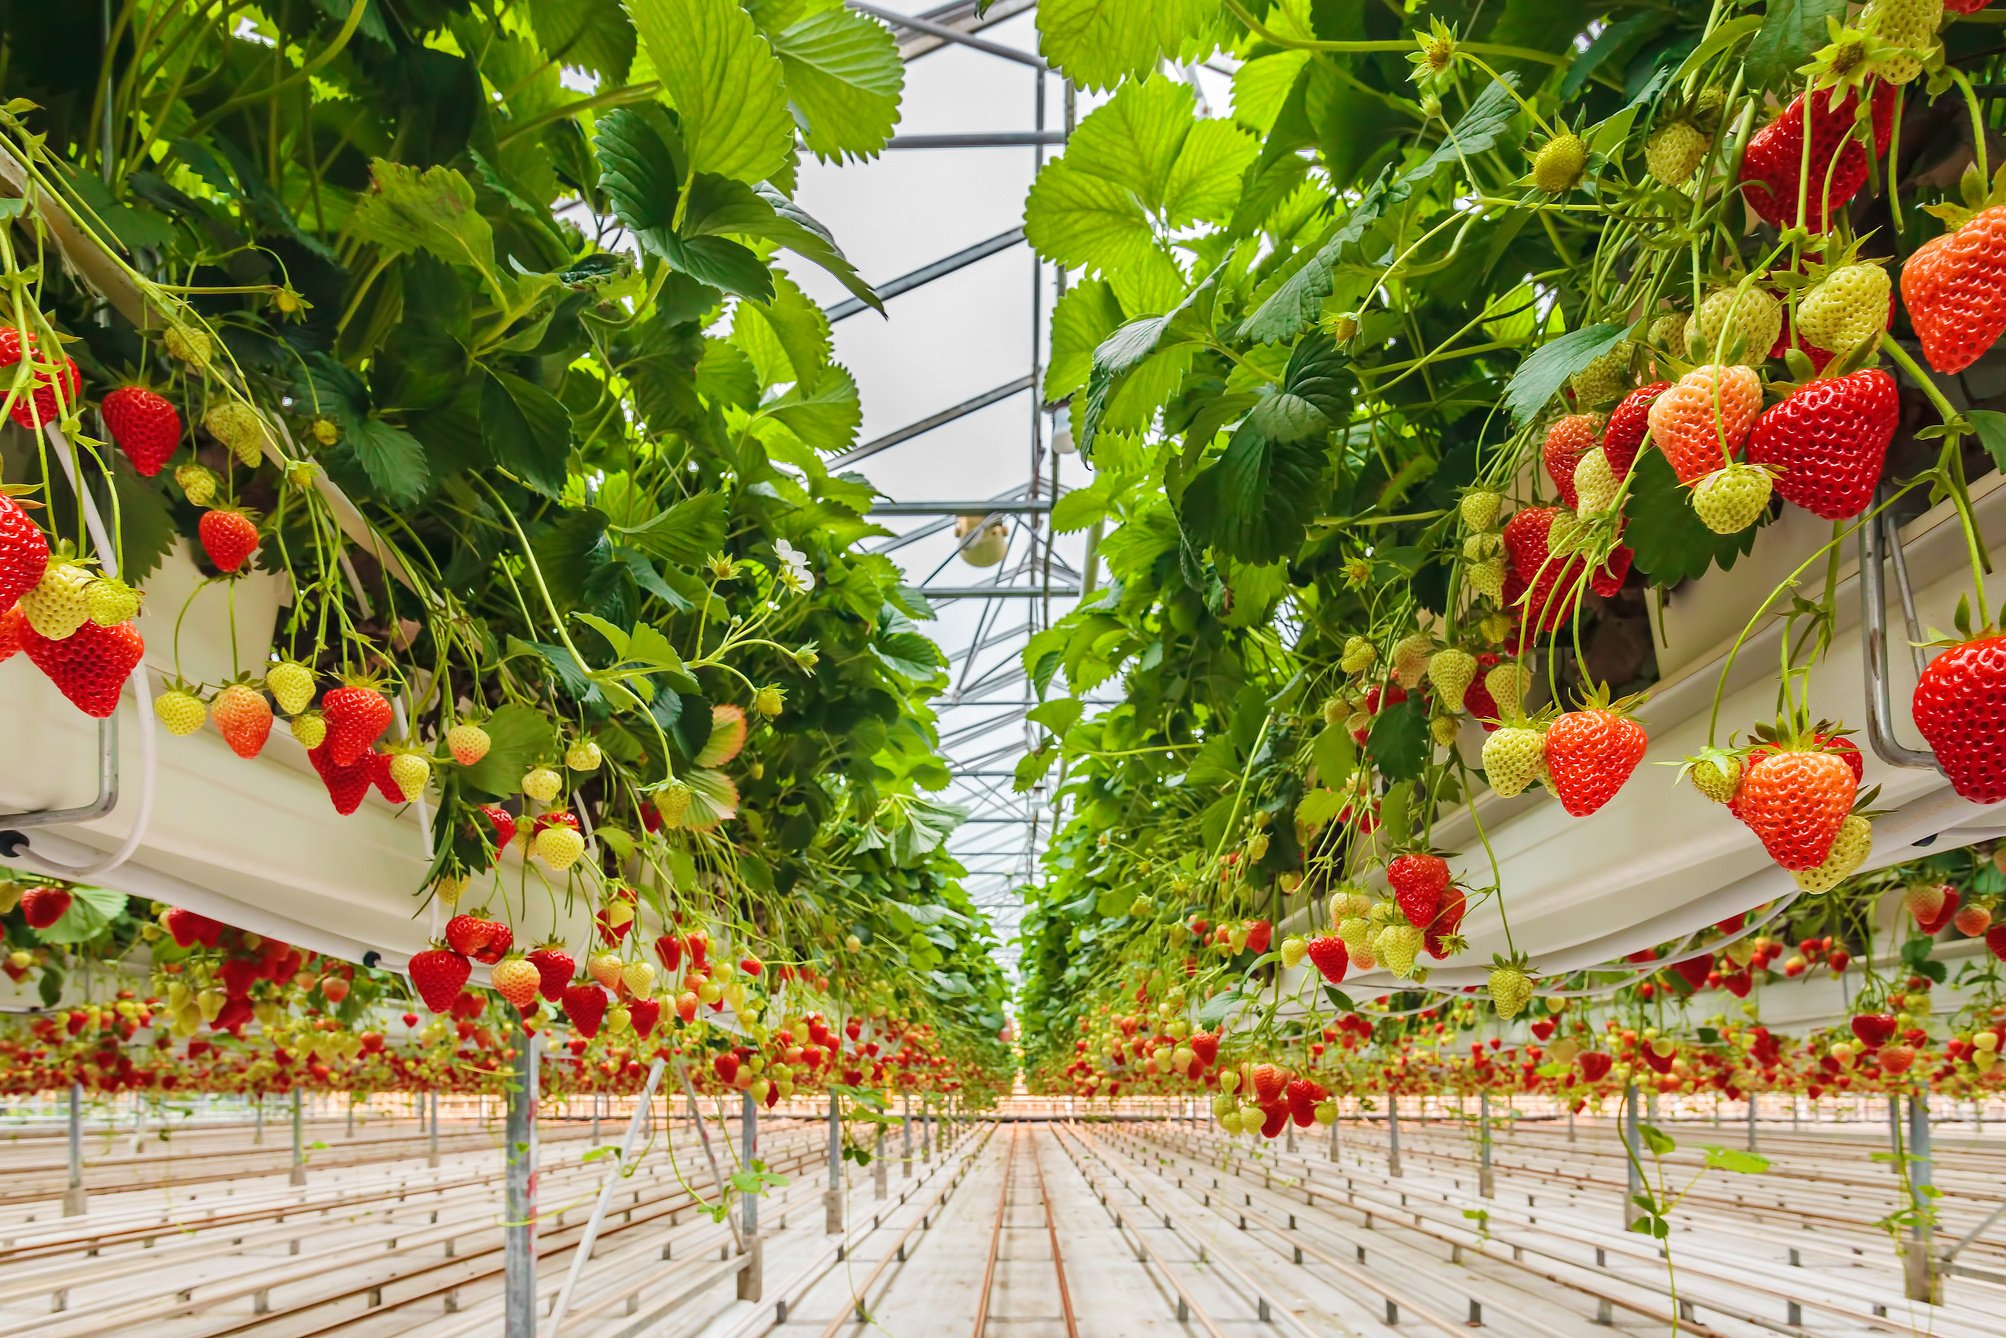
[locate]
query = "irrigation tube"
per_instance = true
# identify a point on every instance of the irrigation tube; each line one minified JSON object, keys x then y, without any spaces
{"x":142,"y":690}
{"x":614,"y":1174}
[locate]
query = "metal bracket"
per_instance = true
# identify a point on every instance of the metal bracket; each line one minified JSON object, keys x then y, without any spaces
{"x":107,"y":800}
{"x":1874,"y":641}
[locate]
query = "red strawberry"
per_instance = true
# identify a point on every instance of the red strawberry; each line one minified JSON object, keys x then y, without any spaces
{"x":89,"y":666}
{"x":1874,"y":1029}
{"x":503,"y":823}
{"x":1628,"y":422}
{"x":1205,"y":1045}
{"x":228,"y":537}
{"x":1329,"y":956}
{"x":669,"y":951}
{"x":1960,"y":707}
{"x":644,"y":1013}
{"x":189,"y":928}
{"x":1794,"y":801}
{"x":1551,"y":586}
{"x":1608,"y":578}
{"x":1277,"y":1119}
{"x":1259,"y":934}
{"x":1448,"y":923}
{"x":1303,"y":1096}
{"x":1954,"y":287}
{"x":1567,"y":441}
{"x":1590,"y":753}
{"x":43,"y":906}
{"x":24,"y":551}
{"x":1995,"y":940}
{"x":1828,"y":441}
{"x":585,"y":1005}
{"x":554,"y":968}
{"x":356,"y":717}
{"x":1695,"y":970}
{"x":42,"y":405}
{"x":11,"y":624}
{"x":1418,"y":880}
{"x":243,"y":717}
{"x":1775,"y":157}
{"x":468,"y":935}
{"x":347,"y":786}
{"x":439,"y":974}
{"x":1595,"y":1064}
{"x":145,"y":426}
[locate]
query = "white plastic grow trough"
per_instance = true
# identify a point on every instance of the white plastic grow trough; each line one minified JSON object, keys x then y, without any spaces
{"x":1659,"y":862}
{"x":256,"y":843}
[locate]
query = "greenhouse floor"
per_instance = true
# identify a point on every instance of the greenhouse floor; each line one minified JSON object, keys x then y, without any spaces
{"x":1042,"y":1225}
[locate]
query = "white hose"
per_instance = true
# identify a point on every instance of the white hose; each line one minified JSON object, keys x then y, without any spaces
{"x":142,"y":690}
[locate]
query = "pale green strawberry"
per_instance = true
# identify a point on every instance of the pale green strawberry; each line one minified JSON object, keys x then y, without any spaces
{"x":310,"y":728}
{"x":1715,"y":773}
{"x":1512,"y":758}
{"x":1510,"y":989}
{"x":1740,"y":323}
{"x":1356,"y":931}
{"x":1845,"y":309}
{"x":1486,"y":578}
{"x":111,"y":601}
{"x":1674,"y":152}
{"x":583,"y":755}
{"x":237,"y":425}
{"x":1732,"y":499}
{"x":198,"y":485}
{"x":1604,"y":380}
{"x":291,"y":685}
{"x":1452,"y":670}
{"x":1294,"y":948}
{"x":59,"y":603}
{"x":1397,"y":947}
{"x":180,"y":710}
{"x":1594,"y":483}
{"x":410,"y":772}
{"x":1410,"y":659}
{"x":1906,"y":24}
{"x":188,"y":344}
{"x":1480,"y":507}
{"x":541,"y":784}
{"x":1508,"y":683}
{"x":1445,"y":730}
{"x":1359,"y":655}
{"x":1850,"y":849}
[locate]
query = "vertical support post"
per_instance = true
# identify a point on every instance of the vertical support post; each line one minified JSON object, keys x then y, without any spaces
{"x":879,"y":1166}
{"x":752,"y":1278}
{"x":258,"y":1121}
{"x":298,"y":1176}
{"x":74,"y":1204}
{"x":432,"y":1134}
{"x":351,"y":1116}
{"x":1392,"y":1134}
{"x":1633,"y":1175}
{"x":597,"y":1099}
{"x":519,"y":1204}
{"x":1485,"y":1188}
{"x":926,"y":1129}
{"x":1919,"y":1264}
{"x":832,"y":1198}
{"x":607,"y":1186}
{"x":905,"y":1136}
{"x":1751,"y":1121}
{"x":1570,"y":1122}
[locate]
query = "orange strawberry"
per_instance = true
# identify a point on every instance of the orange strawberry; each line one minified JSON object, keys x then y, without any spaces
{"x":1567,"y":441}
{"x":1954,"y":287}
{"x":517,"y":981}
{"x":1590,"y":753}
{"x":243,"y":717}
{"x":1268,"y":1083}
{"x":1702,"y":421}
{"x":1794,"y":800}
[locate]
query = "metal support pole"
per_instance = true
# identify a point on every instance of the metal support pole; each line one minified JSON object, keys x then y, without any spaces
{"x":1392,"y":1134}
{"x":519,"y":1206}
{"x":1570,"y":1123}
{"x":298,"y":1176}
{"x":751,"y":1278}
{"x":432,"y":1134}
{"x":905,"y":1137}
{"x":832,"y":1198}
{"x":1333,"y":1138}
{"x":879,"y":1167}
{"x":351,"y":1116}
{"x":258,"y":1124}
{"x":607,"y":1186}
{"x":597,"y":1100}
{"x":1633,"y":1174}
{"x":1924,"y":1282}
{"x":74,"y":1199}
{"x":1484,"y":1184}
{"x":926,"y":1129}
{"x":1751,"y":1121}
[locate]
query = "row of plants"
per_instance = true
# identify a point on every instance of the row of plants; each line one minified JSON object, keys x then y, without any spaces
{"x":457,"y":335}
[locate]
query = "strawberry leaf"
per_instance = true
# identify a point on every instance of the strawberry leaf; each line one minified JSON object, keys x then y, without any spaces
{"x":1671,"y":542}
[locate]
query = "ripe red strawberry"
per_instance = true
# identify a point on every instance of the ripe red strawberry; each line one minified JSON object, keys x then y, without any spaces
{"x":470,"y":935}
{"x":90,"y":665}
{"x":1772,"y":164}
{"x":1329,"y":956}
{"x":585,"y":1005}
{"x":347,"y":785}
{"x":43,"y":906}
{"x":554,"y":969}
{"x":1595,"y":1064}
{"x":1828,"y":442}
{"x":1628,"y":422}
{"x":1995,"y":940}
{"x":189,"y":928}
{"x":1960,"y":707}
{"x":1794,"y":801}
{"x":1608,"y":578}
{"x":1589,"y":754}
{"x":228,"y":537}
{"x":503,"y":823}
{"x":1448,"y":923}
{"x":42,"y":405}
{"x":1303,"y":1096}
{"x":1567,"y":441}
{"x":356,"y":717}
{"x":145,"y":426}
{"x":1205,"y":1045}
{"x":1874,"y":1030}
{"x":243,"y":717}
{"x":1954,"y":287}
{"x":1550,"y":586}
{"x":24,"y":551}
{"x":439,"y":974}
{"x":644,"y":1014}
{"x":669,"y":951}
{"x":1277,"y":1118}
{"x":1418,"y":879}
{"x":1268,"y":1082}
{"x":11,"y":624}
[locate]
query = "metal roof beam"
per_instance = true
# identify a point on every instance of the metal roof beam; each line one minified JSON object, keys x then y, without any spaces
{"x":932,"y":421}
{"x":926,"y":274}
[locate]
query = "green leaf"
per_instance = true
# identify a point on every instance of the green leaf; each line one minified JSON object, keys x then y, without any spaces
{"x":1399,"y":742}
{"x":1335,"y":753}
{"x":392,"y":457}
{"x":684,"y":533}
{"x":593,"y":35}
{"x":1133,"y":139}
{"x":1318,"y":807}
{"x":844,"y":77}
{"x":431,"y":210}
{"x":1482,"y":126}
{"x":727,"y":86}
{"x":719,"y":207}
{"x":1671,"y":542}
{"x":1205,"y":181}
{"x":1084,"y":316}
{"x":518,"y":738}
{"x":1254,"y":500}
{"x":1126,"y":349}
{"x":826,"y":417}
{"x":1735,"y":1160}
{"x":1791,"y":31}
{"x":1295,"y":304}
{"x":1991,"y":426}
{"x":1312,"y":398}
{"x":527,"y":428}
{"x":1540,"y":377}
{"x":1083,"y":221}
{"x":1657,"y":1140}
{"x":1098,"y":42}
